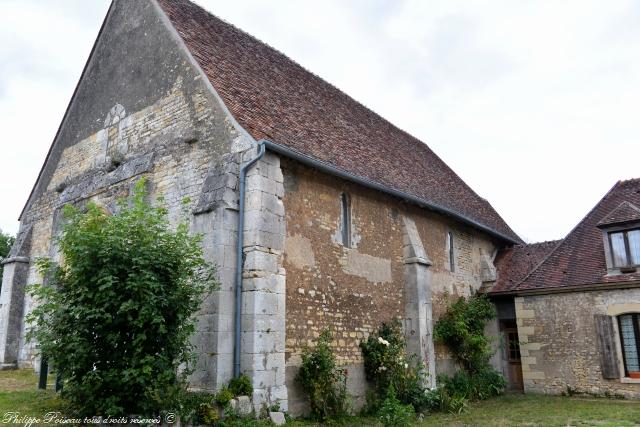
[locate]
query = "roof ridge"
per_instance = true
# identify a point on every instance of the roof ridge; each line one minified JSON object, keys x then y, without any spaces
{"x":563,"y":240}
{"x":629,"y":181}
{"x":544,"y":242}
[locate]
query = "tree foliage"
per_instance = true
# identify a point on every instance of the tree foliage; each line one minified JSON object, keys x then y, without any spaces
{"x":6,"y":241}
{"x":117,"y":314}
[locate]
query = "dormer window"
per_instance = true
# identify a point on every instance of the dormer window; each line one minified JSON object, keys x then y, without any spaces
{"x":621,"y":238}
{"x":625,"y":248}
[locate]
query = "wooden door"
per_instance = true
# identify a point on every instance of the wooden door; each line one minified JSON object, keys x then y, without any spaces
{"x":514,"y":371}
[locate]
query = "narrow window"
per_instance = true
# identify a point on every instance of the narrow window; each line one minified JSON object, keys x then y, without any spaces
{"x":630,"y":342}
{"x":345,"y":221}
{"x":618,"y":249}
{"x":634,"y":246}
{"x":452,"y":261}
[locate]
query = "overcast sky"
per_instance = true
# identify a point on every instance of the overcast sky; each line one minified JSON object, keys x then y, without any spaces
{"x":534,"y":104}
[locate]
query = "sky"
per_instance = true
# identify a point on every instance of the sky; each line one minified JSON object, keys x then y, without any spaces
{"x":536,"y":105}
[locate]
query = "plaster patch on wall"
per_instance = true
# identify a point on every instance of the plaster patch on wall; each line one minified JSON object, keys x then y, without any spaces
{"x":298,"y":251}
{"x":374,"y":269}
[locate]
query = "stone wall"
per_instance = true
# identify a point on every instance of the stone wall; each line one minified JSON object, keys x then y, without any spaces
{"x":142,"y":109}
{"x":352,"y":290}
{"x":559,"y":345}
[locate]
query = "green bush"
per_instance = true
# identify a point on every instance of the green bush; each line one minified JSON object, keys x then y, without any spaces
{"x":196,"y":408}
{"x":393,"y":413}
{"x":461,"y":328}
{"x":323,"y":382}
{"x":479,"y":386}
{"x":387,"y":366}
{"x":241,"y":386}
{"x":117,"y":315}
{"x":224,"y":396}
{"x":441,"y":400}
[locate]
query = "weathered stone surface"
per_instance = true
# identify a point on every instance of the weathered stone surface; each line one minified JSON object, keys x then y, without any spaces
{"x":560,"y":347}
{"x":277,"y":418}
{"x":322,"y":291}
{"x":264,"y":302}
{"x":241,"y":405}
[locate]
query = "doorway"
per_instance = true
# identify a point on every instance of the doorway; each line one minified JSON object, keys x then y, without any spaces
{"x":512,"y":353}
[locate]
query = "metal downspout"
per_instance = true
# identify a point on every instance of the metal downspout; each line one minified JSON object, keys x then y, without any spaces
{"x":239,"y":255}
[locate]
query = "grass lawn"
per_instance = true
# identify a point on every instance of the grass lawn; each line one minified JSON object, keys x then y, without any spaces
{"x":18,"y":392}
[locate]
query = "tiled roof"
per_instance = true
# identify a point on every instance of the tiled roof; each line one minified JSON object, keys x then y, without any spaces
{"x":579,"y":259}
{"x":515,"y":263}
{"x":626,"y":212}
{"x":273,"y":97}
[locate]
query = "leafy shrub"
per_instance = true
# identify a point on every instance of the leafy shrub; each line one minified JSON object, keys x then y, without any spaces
{"x":393,"y":413}
{"x":241,"y":386}
{"x":481,"y":385}
{"x":196,"y":407}
{"x":441,"y":400}
{"x":117,"y":315}
{"x":461,"y":328}
{"x":324,"y":383}
{"x":224,"y":396}
{"x":387,"y":366}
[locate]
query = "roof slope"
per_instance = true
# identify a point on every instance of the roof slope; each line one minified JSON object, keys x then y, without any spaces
{"x":626,"y":212}
{"x":515,"y":263}
{"x":274,"y":98}
{"x":579,"y":259}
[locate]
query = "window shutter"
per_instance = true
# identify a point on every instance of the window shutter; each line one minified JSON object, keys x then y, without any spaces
{"x":606,"y":340}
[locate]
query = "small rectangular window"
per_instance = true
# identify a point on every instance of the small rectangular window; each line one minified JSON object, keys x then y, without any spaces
{"x":345,"y":221}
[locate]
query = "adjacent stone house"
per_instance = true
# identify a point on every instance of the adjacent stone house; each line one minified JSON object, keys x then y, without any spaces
{"x":571,"y":308}
{"x":344,"y":220}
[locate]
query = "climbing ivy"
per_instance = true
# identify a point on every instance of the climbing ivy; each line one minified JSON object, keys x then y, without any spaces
{"x":461,"y":328}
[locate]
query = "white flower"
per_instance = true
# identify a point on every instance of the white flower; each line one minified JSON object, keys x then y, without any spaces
{"x":383,"y":341}
{"x":406,"y":365}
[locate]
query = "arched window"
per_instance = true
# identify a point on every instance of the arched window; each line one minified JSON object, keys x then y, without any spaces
{"x":630,"y":341}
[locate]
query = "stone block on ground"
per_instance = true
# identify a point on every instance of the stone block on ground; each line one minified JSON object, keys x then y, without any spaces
{"x":277,"y":418}
{"x":244,"y":405}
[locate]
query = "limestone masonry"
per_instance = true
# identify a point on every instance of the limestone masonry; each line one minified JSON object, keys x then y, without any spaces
{"x":349,"y":221}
